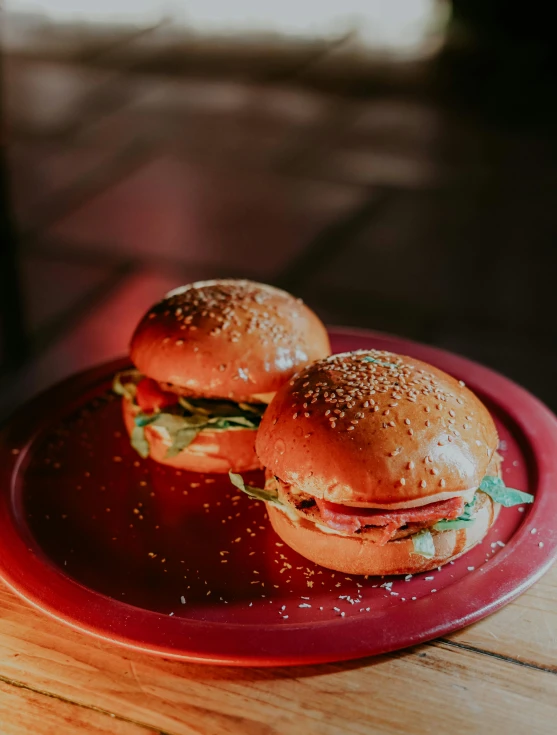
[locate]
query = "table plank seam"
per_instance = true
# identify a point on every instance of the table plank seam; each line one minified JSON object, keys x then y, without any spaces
{"x":492,"y":654}
{"x":68,"y":700}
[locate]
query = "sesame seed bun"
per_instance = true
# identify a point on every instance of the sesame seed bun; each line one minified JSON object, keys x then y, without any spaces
{"x":230,"y":339}
{"x":357,"y":555}
{"x":375,"y":429}
{"x":211,"y":451}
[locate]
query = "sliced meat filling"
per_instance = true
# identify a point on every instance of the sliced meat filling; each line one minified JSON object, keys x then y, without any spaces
{"x":381,"y":525}
{"x":351,"y":520}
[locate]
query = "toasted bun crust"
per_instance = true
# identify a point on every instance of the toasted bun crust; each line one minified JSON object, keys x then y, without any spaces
{"x":355,"y":555}
{"x":230,"y":339}
{"x":371,"y":427}
{"x":210,"y":451}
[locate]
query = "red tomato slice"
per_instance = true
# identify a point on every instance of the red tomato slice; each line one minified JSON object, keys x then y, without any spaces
{"x":150,"y":397}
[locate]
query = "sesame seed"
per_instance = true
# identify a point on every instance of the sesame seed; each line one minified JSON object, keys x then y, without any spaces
{"x":533,"y":531}
{"x":423,"y":483}
{"x":411,"y":432}
{"x":442,"y":482}
{"x":402,"y":481}
{"x":407,"y":422}
{"x":540,"y":544}
{"x":411,"y":465}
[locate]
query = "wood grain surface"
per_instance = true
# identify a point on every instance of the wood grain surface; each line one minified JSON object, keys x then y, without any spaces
{"x":24,"y":711}
{"x":497,"y":676}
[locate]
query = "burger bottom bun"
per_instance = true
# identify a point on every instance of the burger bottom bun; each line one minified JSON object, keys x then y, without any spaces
{"x":355,"y":555}
{"x":210,"y":451}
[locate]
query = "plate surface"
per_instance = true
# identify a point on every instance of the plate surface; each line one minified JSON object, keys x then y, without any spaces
{"x":183,"y":565}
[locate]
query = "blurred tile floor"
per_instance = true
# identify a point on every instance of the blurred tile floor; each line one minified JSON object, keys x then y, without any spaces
{"x":391,"y":211}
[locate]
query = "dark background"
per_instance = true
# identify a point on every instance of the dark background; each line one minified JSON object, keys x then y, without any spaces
{"x":416,"y":198}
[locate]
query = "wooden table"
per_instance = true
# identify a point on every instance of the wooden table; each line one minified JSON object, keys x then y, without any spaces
{"x":499,"y":676}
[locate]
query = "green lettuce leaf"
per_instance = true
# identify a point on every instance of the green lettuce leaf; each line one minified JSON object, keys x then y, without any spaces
{"x":454,"y":525}
{"x":181,"y":439}
{"x":268,"y":496}
{"x":139,"y":442}
{"x":173,"y":422}
{"x":423,"y":544}
{"x":185,"y":420}
{"x":144,"y":419}
{"x":181,"y":429}
{"x":124,"y":383}
{"x":507,"y":496}
{"x":463,"y":521}
{"x":227,"y":423}
{"x":222,"y":409}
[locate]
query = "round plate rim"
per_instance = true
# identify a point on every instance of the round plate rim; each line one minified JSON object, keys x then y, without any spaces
{"x":514,"y":569}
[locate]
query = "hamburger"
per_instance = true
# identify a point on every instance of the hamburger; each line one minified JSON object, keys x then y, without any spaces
{"x":208,"y":359}
{"x":379,"y":464}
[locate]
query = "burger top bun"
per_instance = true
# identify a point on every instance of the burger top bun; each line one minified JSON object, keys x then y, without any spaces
{"x":231,"y":339}
{"x":373,"y":428}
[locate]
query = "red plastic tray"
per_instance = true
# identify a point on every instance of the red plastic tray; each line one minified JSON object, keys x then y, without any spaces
{"x":180,"y":565}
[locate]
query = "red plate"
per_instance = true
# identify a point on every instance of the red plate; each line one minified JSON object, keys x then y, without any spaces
{"x":179,"y":564}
